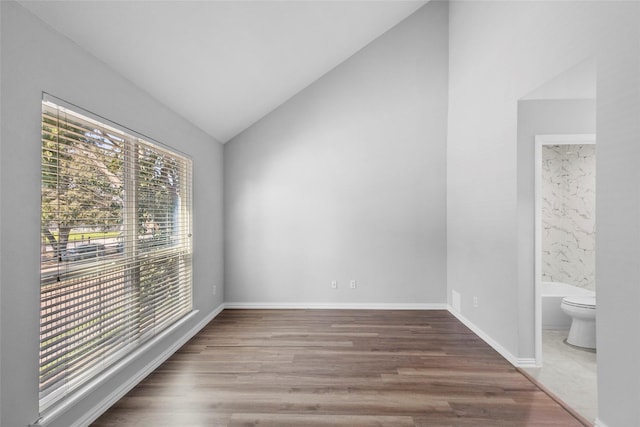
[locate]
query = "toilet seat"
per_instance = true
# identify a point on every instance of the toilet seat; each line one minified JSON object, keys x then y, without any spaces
{"x":588,"y":302}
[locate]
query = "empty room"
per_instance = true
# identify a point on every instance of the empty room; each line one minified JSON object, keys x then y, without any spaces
{"x":319,"y":213}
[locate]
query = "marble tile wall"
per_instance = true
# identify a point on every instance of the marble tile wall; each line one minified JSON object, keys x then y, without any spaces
{"x":568,"y":214}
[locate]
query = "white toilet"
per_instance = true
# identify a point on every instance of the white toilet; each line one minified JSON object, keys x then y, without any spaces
{"x":582,"y":310}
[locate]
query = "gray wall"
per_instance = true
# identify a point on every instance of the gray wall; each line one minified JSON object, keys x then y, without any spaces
{"x":347,"y":181}
{"x":36,"y":59}
{"x":539,"y":117}
{"x":617,"y":213}
{"x":499,"y":52}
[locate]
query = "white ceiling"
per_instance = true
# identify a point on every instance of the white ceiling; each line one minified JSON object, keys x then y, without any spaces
{"x":223,"y":65}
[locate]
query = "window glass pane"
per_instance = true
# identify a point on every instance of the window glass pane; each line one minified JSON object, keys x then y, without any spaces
{"x":116,"y":246}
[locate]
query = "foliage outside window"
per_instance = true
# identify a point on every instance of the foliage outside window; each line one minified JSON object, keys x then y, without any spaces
{"x":116,"y":245}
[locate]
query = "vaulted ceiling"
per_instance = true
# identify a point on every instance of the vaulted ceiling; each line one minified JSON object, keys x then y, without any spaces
{"x":223,"y":65}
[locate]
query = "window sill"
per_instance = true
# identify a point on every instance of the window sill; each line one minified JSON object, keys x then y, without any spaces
{"x":55,"y":411}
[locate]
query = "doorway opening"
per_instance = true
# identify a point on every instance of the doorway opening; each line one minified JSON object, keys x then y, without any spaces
{"x":564,"y":263}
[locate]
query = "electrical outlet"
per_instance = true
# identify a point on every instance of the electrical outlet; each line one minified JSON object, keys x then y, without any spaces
{"x":353,"y":284}
{"x":475,"y":302}
{"x":334,"y":284}
{"x":215,"y":289}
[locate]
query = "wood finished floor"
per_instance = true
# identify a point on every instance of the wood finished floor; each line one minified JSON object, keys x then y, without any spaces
{"x":336,"y":368}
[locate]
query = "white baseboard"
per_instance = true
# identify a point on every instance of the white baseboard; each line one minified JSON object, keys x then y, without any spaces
{"x":527,"y":362}
{"x":331,"y":306}
{"x":124,"y":388}
{"x":599,"y":423}
{"x":486,"y":338}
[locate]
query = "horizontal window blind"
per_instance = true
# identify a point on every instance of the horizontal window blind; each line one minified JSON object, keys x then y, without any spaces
{"x":116,"y":246}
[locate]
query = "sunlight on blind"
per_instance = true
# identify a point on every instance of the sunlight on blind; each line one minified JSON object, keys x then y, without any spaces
{"x":115,"y":250}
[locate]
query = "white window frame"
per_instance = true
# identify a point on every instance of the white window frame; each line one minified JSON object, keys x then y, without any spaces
{"x":176,"y":249}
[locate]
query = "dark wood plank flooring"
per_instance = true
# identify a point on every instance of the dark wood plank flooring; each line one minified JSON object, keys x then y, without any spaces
{"x":336,"y":368}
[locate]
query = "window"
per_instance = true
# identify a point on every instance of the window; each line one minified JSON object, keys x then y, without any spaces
{"x":116,"y":245}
